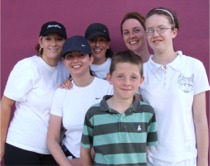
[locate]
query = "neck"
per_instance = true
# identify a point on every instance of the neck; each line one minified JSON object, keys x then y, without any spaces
{"x":82,"y":81}
{"x":164,"y":58}
{"x":99,"y":61}
{"x":50,"y":61}
{"x":143,"y":53}
{"x":120,"y":105}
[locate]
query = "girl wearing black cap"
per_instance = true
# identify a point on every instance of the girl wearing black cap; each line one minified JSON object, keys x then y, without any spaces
{"x":30,"y":87}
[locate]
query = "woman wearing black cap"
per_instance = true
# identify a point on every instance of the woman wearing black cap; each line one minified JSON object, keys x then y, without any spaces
{"x":30,"y":87}
{"x":97,"y":35}
{"x":70,"y":106}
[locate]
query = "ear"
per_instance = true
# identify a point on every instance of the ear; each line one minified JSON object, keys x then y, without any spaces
{"x":40,"y":41}
{"x":141,"y":81}
{"x":174,"y":33}
{"x":109,"y":78}
{"x":91,"y":59}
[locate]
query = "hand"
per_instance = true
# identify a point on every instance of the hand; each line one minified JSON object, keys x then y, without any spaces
{"x":75,"y":162}
{"x":67,"y":84}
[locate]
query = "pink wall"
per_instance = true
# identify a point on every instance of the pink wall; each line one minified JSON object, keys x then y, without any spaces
{"x":21,"y":21}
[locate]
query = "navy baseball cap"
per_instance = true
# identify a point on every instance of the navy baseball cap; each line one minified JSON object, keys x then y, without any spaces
{"x":97,"y":29}
{"x":76,"y":43}
{"x":53,"y":27}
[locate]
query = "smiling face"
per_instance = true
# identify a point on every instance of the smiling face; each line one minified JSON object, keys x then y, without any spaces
{"x":52,"y":45}
{"x":133,"y":35}
{"x":99,"y":46}
{"x":77,"y":63}
{"x":160,"y":33}
{"x":125,"y":79}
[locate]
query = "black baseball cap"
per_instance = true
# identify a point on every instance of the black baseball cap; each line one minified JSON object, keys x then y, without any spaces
{"x":76,"y":43}
{"x":97,"y":29}
{"x":53,"y":27}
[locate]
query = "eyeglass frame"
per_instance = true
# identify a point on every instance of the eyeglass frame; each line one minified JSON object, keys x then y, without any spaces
{"x":160,"y":30}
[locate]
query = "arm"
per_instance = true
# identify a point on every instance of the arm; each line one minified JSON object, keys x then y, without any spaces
{"x":53,"y":136}
{"x":201,"y":128}
{"x":6,"y":107}
{"x":85,"y":155}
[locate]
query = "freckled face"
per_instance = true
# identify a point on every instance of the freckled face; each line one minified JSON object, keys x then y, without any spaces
{"x":125,"y":79}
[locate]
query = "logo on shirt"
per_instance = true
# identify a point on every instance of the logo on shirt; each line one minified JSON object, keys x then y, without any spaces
{"x":186,"y":84}
{"x":97,"y":98}
{"x":139,"y":128}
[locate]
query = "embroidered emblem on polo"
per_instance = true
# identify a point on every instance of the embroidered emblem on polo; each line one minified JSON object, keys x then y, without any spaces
{"x":83,"y":45}
{"x":139,"y":128}
{"x":97,"y":98}
{"x":186,"y":84}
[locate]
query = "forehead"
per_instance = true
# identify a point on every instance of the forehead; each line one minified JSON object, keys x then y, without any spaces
{"x":124,"y":66}
{"x":131,"y":23}
{"x":157,"y":20}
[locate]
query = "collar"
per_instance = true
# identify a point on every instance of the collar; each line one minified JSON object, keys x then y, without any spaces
{"x":175,"y":64}
{"x":133,"y":108}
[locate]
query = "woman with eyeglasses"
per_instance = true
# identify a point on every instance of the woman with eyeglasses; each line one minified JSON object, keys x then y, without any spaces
{"x":175,"y":85}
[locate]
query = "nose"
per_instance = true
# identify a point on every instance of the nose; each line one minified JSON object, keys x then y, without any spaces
{"x":155,"y":33}
{"x":127,"y":82}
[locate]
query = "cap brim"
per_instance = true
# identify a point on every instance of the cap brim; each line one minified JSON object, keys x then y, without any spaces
{"x":54,"y":31}
{"x":97,"y":34}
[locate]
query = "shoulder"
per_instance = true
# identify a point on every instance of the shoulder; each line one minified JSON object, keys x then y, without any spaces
{"x":145,"y":107}
{"x":188,"y":59}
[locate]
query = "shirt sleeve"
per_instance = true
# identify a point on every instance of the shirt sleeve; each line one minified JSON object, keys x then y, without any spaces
{"x":20,"y":81}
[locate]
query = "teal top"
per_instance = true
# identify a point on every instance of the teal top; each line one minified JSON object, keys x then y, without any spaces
{"x":119,"y":138}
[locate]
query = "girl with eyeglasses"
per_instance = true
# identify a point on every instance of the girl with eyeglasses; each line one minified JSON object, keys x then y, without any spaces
{"x":175,"y":85}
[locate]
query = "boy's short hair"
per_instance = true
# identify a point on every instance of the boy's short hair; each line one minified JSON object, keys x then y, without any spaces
{"x":126,"y":56}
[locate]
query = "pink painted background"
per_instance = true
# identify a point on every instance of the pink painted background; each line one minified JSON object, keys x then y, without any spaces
{"x":21,"y":21}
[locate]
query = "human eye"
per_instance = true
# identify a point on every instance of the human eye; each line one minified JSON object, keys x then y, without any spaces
{"x":48,"y":38}
{"x":150,"y":31}
{"x":69,"y":56}
{"x":137,"y":30}
{"x":59,"y":38}
{"x":125,"y":33}
{"x":81,"y":55}
{"x":161,"y":29}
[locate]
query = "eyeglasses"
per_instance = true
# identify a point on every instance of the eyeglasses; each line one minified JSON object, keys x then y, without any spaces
{"x":151,"y":31}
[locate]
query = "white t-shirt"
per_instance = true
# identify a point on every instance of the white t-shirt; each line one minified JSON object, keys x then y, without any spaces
{"x":101,"y":70}
{"x":32,"y":84}
{"x":72,"y":106}
{"x":170,"y":91}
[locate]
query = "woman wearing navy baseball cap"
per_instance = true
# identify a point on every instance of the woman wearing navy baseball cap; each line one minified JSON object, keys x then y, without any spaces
{"x":70,"y":106}
{"x":30,"y":86}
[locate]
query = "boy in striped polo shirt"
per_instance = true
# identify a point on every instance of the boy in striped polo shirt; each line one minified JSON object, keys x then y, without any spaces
{"x":120,"y":127}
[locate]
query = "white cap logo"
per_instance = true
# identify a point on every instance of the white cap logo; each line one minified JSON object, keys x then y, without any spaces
{"x":55,"y":26}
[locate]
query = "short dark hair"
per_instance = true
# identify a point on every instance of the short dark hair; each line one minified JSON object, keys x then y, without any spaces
{"x":126,"y":56}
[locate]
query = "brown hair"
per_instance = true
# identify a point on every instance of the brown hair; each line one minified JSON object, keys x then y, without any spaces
{"x":126,"y":56}
{"x":169,"y":13}
{"x":133,"y":15}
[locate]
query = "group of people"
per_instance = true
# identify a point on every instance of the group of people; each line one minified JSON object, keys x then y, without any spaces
{"x":97,"y":105}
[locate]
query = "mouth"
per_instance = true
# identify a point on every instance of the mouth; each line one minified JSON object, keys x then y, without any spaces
{"x":76,"y":66}
{"x":133,"y":42}
{"x":97,"y":50}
